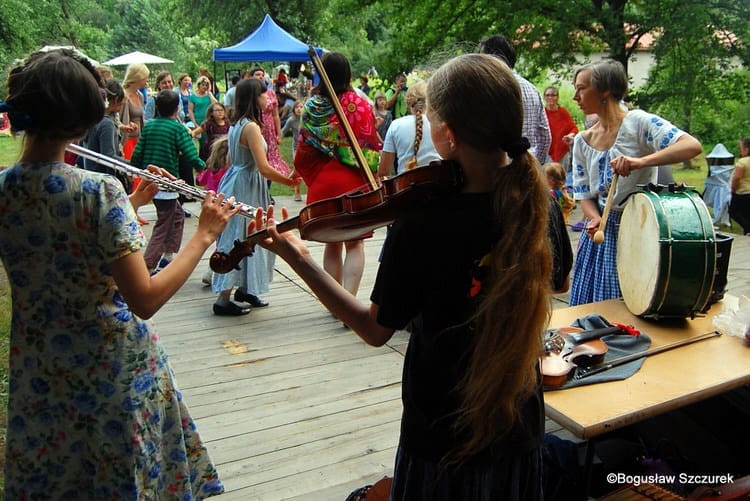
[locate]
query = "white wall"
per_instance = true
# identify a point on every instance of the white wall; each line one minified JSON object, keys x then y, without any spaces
{"x":638,"y":67}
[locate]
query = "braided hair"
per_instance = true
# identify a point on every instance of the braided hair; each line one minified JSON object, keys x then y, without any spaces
{"x":416,"y":97}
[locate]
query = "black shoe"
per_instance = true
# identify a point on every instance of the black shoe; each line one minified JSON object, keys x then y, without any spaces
{"x":187,"y":212}
{"x":245,"y":297}
{"x":230,"y":310}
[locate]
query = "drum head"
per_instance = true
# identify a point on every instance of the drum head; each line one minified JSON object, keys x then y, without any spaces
{"x":666,"y":253}
{"x":638,"y":256}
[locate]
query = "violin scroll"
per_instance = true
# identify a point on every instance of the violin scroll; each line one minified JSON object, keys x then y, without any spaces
{"x":221,"y":262}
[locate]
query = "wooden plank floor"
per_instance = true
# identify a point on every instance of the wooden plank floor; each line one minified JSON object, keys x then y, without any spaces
{"x":291,"y":404}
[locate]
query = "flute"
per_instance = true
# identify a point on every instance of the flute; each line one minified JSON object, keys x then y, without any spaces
{"x":162,"y":182}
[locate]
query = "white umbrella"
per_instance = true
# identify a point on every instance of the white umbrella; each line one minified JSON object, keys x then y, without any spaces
{"x":136,"y":57}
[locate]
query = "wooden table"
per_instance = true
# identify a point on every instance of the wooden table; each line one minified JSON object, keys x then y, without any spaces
{"x":666,"y":381}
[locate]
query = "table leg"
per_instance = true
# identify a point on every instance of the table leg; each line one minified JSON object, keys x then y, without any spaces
{"x":587,"y":467}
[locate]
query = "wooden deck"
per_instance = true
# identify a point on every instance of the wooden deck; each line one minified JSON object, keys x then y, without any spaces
{"x":290,"y":403}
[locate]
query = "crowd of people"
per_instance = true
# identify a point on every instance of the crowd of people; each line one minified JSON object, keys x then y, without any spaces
{"x":473,"y":418}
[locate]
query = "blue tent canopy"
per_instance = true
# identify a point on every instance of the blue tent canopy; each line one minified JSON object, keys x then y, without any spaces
{"x":269,"y":42}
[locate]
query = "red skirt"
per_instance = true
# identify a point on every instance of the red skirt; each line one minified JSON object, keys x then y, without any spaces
{"x":326,"y":177}
{"x":128,"y":147}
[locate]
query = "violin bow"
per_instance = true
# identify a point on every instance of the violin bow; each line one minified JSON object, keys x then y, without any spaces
{"x":342,"y":117}
{"x":582,"y":373}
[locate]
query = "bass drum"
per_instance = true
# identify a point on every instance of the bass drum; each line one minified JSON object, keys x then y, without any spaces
{"x":666,"y":253}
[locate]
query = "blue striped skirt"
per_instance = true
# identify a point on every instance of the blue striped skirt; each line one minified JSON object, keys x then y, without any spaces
{"x":595,"y":267}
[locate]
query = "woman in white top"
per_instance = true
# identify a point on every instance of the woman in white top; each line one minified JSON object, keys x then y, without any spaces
{"x":408,"y":138}
{"x":628,"y":143}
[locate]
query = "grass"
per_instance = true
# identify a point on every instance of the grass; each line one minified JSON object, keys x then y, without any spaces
{"x":10,"y":148}
{"x":9,"y":152}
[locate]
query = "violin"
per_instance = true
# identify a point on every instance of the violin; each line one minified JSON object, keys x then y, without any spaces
{"x":351,"y":215}
{"x":379,"y":491}
{"x":569,"y":347}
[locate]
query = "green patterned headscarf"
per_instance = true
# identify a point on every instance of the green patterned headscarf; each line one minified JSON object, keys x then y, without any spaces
{"x":322,"y":130}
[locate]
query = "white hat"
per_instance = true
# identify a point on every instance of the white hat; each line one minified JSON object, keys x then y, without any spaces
{"x":720,"y":151}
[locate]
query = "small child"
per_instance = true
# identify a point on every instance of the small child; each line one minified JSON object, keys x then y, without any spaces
{"x":383,"y":116}
{"x":216,"y":165}
{"x":163,"y":140}
{"x":292,"y":124}
{"x":555,"y":174}
{"x":215,"y":125}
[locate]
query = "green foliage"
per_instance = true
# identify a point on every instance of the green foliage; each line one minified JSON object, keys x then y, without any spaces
{"x":697,"y":82}
{"x":16,"y":29}
{"x":10,"y":150}
{"x":142,"y":26}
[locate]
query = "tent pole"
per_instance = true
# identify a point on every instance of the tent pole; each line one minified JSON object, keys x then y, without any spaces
{"x":225,"y":77}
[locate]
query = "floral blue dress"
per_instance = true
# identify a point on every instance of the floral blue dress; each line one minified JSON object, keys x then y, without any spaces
{"x":94,"y":411}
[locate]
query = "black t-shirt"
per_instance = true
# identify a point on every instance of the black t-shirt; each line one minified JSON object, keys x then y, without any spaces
{"x":428,"y":275}
{"x":562,"y":252}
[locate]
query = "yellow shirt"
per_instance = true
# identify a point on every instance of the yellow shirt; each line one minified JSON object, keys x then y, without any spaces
{"x":743,"y":187}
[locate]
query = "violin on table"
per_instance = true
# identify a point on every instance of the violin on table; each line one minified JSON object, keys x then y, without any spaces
{"x":567,"y":348}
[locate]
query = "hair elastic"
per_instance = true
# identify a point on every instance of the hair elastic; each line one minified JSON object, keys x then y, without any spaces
{"x":518,"y":148}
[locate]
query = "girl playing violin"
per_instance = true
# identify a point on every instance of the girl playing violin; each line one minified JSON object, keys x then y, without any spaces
{"x":473,"y":416}
{"x":94,"y":411}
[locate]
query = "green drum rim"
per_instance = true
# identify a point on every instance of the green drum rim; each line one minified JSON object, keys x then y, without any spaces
{"x":687,"y":252}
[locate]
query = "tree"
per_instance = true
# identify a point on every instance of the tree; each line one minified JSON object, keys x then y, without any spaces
{"x":691,"y":75}
{"x":547,"y":33}
{"x":16,"y":29}
{"x":142,"y":26}
{"x":298,"y":17}
{"x":697,"y":74}
{"x":28,"y":26}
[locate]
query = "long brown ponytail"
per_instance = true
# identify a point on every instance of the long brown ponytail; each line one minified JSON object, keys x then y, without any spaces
{"x":502,"y":372}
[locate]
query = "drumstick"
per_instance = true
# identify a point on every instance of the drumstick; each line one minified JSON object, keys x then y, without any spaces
{"x":599,"y":235}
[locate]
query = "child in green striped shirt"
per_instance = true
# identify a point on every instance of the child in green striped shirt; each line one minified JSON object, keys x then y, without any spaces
{"x":161,"y":143}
